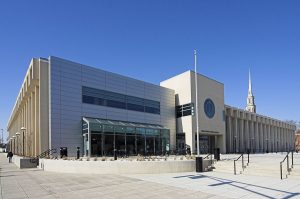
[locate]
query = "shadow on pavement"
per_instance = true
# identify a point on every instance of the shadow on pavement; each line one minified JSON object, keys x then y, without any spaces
{"x":240,"y":185}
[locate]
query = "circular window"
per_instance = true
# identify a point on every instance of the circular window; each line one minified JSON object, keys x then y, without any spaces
{"x":209,"y":108}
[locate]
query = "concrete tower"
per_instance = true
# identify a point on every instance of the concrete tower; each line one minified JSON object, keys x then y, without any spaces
{"x":251,"y":107}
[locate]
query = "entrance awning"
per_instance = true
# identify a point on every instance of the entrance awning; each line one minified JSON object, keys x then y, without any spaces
{"x":121,"y":123}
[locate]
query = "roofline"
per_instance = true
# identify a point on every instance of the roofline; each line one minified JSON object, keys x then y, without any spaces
{"x":191,"y":71}
{"x":267,"y":117}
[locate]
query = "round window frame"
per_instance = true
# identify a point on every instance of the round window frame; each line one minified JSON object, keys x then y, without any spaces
{"x":209,"y":111}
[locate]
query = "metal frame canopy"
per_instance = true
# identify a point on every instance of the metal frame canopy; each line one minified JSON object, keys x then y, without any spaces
{"x":121,"y":123}
{"x":150,"y":132}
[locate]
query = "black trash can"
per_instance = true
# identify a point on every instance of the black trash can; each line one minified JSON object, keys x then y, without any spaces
{"x":217,"y":154}
{"x":199,"y":164}
{"x":63,"y":152}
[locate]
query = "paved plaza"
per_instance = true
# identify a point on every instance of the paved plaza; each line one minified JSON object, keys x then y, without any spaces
{"x":35,"y":183}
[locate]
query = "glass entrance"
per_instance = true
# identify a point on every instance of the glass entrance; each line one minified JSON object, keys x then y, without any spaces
{"x":96,"y":144}
{"x":130,"y":141}
{"x":207,"y":143}
{"x":181,"y":147}
{"x":109,"y":137}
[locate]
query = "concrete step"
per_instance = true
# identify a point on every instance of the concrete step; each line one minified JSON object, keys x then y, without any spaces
{"x":260,"y":165}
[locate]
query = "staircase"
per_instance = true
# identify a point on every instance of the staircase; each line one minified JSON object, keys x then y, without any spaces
{"x":260,"y":165}
{"x":45,"y":154}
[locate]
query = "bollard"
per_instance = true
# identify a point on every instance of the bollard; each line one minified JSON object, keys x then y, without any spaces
{"x":78,"y":152}
{"x":234,"y":167}
{"x":281,"y":170}
{"x":115,"y":154}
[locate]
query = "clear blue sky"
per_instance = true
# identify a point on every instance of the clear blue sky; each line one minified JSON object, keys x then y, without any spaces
{"x":154,"y":40}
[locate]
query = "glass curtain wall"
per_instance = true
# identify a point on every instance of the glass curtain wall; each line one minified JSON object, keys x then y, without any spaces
{"x":125,"y":139}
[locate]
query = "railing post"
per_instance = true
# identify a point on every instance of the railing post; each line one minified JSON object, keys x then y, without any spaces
{"x":292,"y":159}
{"x":287,"y":164}
{"x":248,"y":158}
{"x":243,"y":161}
{"x":234,"y":168}
{"x":281,"y":170}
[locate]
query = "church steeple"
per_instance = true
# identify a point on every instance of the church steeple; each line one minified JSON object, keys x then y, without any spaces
{"x":250,"y":85}
{"x":251,"y":107}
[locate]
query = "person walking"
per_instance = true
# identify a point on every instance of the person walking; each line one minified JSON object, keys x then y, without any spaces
{"x":10,"y":155}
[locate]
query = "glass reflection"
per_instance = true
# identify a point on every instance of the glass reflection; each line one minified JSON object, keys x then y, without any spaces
{"x":140,"y":141}
{"x":130,"y":141}
{"x":125,"y":140}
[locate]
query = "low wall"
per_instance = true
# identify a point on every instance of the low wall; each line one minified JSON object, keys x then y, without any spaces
{"x":117,"y":167}
{"x":22,"y":162}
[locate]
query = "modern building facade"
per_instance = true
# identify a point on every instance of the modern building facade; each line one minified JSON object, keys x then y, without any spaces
{"x":28,"y":125}
{"x":211,"y":118}
{"x":250,"y":131}
{"x":75,"y":96}
{"x":66,"y":104}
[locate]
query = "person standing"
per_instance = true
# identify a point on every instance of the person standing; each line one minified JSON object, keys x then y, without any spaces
{"x":10,"y":155}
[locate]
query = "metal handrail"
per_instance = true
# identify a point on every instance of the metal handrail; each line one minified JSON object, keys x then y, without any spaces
{"x":207,"y":156}
{"x":241,"y":156}
{"x":287,"y":164}
{"x":42,"y":155}
{"x":211,"y":160}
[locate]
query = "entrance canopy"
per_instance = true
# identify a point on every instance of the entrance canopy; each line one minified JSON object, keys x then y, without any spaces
{"x":107,"y":137}
{"x":94,"y":123}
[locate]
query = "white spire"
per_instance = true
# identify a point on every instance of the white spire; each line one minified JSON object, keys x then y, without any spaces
{"x":250,"y":84}
{"x":251,"y":107}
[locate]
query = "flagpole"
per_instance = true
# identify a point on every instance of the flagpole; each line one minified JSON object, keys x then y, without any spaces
{"x":196,"y":108}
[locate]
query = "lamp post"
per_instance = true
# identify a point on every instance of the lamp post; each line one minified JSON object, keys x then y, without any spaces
{"x":252,"y":144}
{"x":10,"y":146}
{"x":196,"y":108}
{"x":235,"y":144}
{"x":2,"y":138}
{"x":23,"y":129}
{"x":18,"y":134}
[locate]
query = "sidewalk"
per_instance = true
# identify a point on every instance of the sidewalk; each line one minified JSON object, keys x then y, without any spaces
{"x":261,"y":179}
{"x":34,"y":183}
